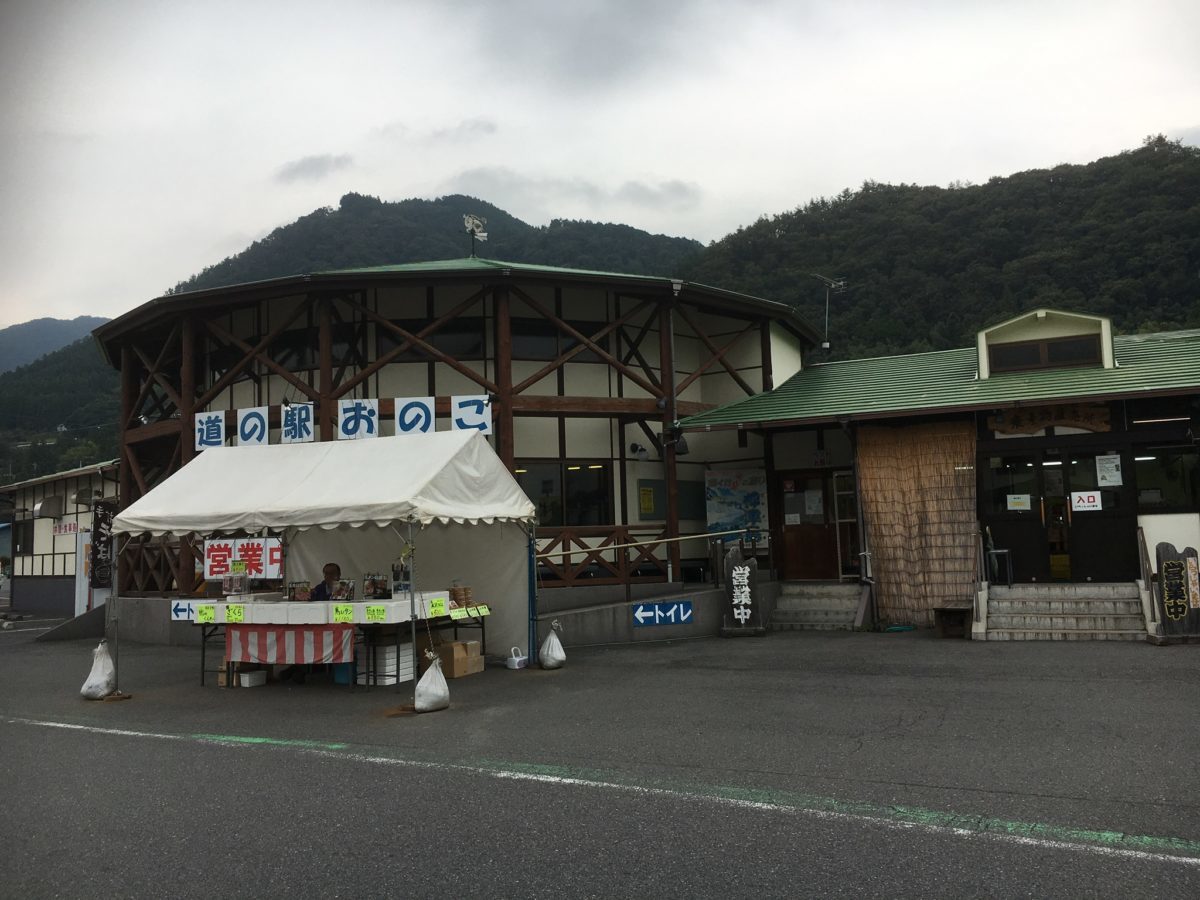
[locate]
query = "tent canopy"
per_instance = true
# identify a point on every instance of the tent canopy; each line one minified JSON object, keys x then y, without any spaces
{"x":442,"y":477}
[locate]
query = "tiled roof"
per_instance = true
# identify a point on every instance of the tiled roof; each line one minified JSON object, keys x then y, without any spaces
{"x":946,"y":381}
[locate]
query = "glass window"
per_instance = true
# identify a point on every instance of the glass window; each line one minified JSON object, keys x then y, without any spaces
{"x":1082,"y":476}
{"x":22,"y":538}
{"x":1168,"y":479}
{"x":540,"y":339}
{"x":461,"y":338}
{"x":574,"y":492}
{"x":1057,"y":352}
{"x":1009,"y":484}
{"x":1073,"y":351}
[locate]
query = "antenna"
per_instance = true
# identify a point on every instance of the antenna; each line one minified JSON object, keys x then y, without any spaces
{"x":838,"y":285}
{"x":475,"y":228}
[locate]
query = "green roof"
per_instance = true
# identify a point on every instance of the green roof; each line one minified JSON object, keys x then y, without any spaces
{"x":946,"y":381}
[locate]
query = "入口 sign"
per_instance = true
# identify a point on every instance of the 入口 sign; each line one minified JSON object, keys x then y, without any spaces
{"x":1086,"y":501}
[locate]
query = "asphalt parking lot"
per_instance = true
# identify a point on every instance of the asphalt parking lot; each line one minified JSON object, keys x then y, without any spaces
{"x":1077,"y":745}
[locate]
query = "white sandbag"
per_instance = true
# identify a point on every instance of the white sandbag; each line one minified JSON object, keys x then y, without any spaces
{"x":432,"y":691}
{"x":102,"y":680}
{"x":552,"y":655}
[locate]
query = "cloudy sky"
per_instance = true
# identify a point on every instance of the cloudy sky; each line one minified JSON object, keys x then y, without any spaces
{"x":142,"y":141}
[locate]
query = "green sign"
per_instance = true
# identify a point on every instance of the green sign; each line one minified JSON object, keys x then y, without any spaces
{"x":458,"y":613}
{"x":483,"y":610}
{"x":206,"y":614}
{"x":235,"y":613}
{"x":237,"y":567}
{"x":343,"y":612}
{"x":376,"y":613}
{"x":437,"y":606}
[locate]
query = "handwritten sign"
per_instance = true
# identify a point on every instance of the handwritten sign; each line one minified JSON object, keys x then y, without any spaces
{"x":206,"y":614}
{"x":237,"y":567}
{"x":437,"y":606}
{"x":235,"y":613}
{"x":483,"y":610}
{"x":458,"y":613}
{"x":473,"y":611}
{"x":343,"y":612}
{"x":376,"y":613}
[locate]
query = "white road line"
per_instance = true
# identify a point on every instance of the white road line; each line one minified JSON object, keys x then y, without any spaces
{"x":692,"y":796}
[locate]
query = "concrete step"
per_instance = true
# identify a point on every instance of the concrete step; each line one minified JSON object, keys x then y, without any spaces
{"x":1125,"y":590}
{"x":813,"y":616}
{"x":1064,"y":623}
{"x":837,"y":602}
{"x":1079,"y":607}
{"x":1040,"y":634}
{"x":799,"y":626}
{"x":822,"y":589}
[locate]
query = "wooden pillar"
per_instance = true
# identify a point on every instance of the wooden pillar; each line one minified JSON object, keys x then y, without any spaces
{"x":129,"y":391}
{"x":505,"y":440}
{"x":666,"y":360}
{"x":187,"y":391}
{"x":325,"y":409}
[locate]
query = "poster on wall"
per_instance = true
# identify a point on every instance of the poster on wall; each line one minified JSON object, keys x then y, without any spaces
{"x":736,"y":499}
{"x":1020,"y":502}
{"x":1108,"y":470}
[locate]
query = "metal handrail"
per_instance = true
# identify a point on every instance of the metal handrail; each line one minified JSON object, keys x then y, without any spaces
{"x":1146,"y":572}
{"x":607,"y":547}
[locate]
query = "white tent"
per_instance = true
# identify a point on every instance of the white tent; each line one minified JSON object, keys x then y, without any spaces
{"x":355,"y":503}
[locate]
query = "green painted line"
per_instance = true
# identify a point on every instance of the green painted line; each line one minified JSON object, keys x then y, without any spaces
{"x":273,"y":742}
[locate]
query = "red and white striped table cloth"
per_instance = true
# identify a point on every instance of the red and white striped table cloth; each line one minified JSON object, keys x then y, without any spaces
{"x":289,"y":644}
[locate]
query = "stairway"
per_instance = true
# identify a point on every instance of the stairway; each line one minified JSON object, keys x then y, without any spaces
{"x":1065,"y":612}
{"x":815,"y":606}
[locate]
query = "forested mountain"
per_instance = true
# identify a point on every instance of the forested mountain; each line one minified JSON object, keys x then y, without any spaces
{"x":58,"y":412}
{"x":365,"y":231}
{"x":21,"y":344}
{"x":926,"y":267}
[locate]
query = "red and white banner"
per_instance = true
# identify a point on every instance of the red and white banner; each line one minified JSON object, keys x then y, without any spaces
{"x":263,"y":558}
{"x":289,"y":644}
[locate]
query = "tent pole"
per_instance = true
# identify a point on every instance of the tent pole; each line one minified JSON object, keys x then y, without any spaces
{"x":412,"y":610}
{"x":529,"y":530}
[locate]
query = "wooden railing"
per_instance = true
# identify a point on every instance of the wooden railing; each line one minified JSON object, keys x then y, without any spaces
{"x":158,"y":567}
{"x":612,"y":554}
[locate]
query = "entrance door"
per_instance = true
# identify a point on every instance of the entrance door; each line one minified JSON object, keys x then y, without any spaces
{"x":1062,"y":515}
{"x":810,"y":545}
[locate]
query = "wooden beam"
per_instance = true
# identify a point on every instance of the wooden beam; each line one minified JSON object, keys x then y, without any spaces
{"x":505,"y":440}
{"x":159,"y":378}
{"x":128,"y":393}
{"x":768,"y":376}
{"x":405,"y":346}
{"x":153,"y":431}
{"x":326,"y":412}
{"x":187,"y":390}
{"x":260,"y":354}
{"x":145,"y":389}
{"x":718,"y":355}
{"x":595,"y":348}
{"x":575,"y":351}
{"x":666,"y":357}
{"x":600,"y":407}
{"x":227,"y":379}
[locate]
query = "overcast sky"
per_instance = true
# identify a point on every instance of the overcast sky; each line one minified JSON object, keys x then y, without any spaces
{"x":142,"y":141}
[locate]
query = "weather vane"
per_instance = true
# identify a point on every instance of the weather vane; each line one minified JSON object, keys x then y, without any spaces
{"x":475,"y":226}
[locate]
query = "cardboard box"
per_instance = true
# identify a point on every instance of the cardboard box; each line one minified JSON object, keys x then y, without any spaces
{"x":457,"y":659}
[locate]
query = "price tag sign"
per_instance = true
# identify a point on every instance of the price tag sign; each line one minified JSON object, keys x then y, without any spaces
{"x":376,"y":613}
{"x":458,"y":613}
{"x":237,"y":567}
{"x":206,"y":614}
{"x":473,"y":611}
{"x":437,"y":606}
{"x":483,"y":610}
{"x":343,"y":612}
{"x":235,"y":613}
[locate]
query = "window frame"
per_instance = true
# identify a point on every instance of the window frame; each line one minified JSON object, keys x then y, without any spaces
{"x":1043,"y":347}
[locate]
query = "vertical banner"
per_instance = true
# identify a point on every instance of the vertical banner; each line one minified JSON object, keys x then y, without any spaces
{"x":252,"y":426}
{"x":1178,"y":604}
{"x":296,"y":423}
{"x":414,"y":415}
{"x":358,"y":419}
{"x":100,"y":568}
{"x":472,"y":413}
{"x":743,"y":608}
{"x":83,"y":564}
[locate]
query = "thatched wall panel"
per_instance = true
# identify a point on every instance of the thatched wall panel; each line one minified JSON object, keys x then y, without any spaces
{"x":918,"y":496}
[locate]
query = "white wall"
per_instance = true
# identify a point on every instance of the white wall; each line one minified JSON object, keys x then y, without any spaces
{"x":1180,"y":529}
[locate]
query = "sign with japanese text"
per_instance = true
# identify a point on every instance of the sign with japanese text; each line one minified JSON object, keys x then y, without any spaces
{"x":1108,"y":470}
{"x":235,"y":613}
{"x":210,"y":430}
{"x":66,"y":528}
{"x":101,"y":568}
{"x":742,"y":614}
{"x":471,"y":414}
{"x":252,"y":428}
{"x":736,"y":498}
{"x":673,"y":612}
{"x":343,"y":613}
{"x":296,"y":423}
{"x":357,"y":419}
{"x":1019,"y":502}
{"x":206,"y":614}
{"x":1086,"y":501}
{"x":414,"y":415}
{"x":376,"y":613}
{"x":1175,"y":590}
{"x":259,"y":559}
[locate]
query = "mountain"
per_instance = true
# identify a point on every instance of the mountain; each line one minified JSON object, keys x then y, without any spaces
{"x":365,"y":231}
{"x":927,"y":267}
{"x":21,"y":344}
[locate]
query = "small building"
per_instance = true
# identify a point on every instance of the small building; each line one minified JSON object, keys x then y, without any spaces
{"x":53,"y":518}
{"x":1069,"y":449}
